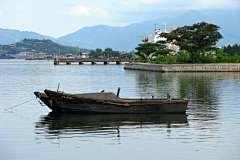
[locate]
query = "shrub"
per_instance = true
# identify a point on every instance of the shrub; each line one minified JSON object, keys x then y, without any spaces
{"x":160,"y":58}
{"x":207,"y":58}
{"x":183,"y":57}
{"x":222,"y":58}
{"x":171,"y":58}
{"x":235,"y":58}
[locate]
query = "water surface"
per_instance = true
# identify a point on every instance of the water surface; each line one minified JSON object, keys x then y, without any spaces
{"x":210,"y":129}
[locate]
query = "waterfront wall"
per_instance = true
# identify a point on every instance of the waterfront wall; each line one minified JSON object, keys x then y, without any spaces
{"x":143,"y":66}
{"x":184,"y":67}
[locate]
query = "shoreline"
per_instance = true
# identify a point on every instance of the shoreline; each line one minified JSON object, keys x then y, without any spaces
{"x":215,"y":67}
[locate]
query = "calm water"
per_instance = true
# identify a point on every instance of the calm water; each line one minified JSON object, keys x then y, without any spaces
{"x":209,"y":130}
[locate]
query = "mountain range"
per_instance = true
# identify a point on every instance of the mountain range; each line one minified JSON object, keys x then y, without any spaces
{"x":125,"y":38}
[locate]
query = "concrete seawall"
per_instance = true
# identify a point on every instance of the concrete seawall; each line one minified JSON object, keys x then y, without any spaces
{"x":143,"y":66}
{"x":224,"y":67}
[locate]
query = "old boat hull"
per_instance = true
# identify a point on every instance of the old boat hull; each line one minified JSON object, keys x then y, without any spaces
{"x":109,"y":103}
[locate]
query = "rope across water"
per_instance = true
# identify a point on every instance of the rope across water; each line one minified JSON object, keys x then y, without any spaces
{"x":21,"y":104}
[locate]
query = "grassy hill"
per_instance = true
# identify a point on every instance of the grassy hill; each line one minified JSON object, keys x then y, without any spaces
{"x":39,"y":46}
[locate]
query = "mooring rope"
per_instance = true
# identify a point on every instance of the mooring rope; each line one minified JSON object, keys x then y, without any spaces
{"x":39,"y":99}
{"x":19,"y":104}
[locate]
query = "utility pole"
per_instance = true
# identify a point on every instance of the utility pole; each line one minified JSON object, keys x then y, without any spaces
{"x":59,"y":53}
{"x":77,"y":50}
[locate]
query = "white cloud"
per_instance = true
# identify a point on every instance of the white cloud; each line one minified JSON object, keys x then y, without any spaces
{"x":95,"y":11}
{"x":79,"y":10}
{"x":88,"y":11}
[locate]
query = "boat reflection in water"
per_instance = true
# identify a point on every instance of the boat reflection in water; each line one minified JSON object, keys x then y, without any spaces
{"x":67,"y":125}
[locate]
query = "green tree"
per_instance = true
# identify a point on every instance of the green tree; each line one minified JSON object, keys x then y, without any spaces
{"x":162,"y":50}
{"x":92,"y":54}
{"x":108,"y":52}
{"x":183,"y":56}
{"x":128,"y":55}
{"x":235,"y":58}
{"x":231,"y":50}
{"x":95,"y":54}
{"x":98,"y":53}
{"x":221,"y":57}
{"x":207,"y":58}
{"x":195,"y":38}
{"x":148,"y":50}
{"x":171,"y":58}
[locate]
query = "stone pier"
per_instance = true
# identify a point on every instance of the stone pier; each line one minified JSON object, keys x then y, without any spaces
{"x":118,"y":62}
{"x":93,"y":61}
{"x":214,"y":67}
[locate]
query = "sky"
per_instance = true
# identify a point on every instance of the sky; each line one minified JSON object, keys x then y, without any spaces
{"x":57,"y":18}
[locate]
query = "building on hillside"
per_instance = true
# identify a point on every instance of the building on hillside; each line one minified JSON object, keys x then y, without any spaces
{"x":26,"y":54}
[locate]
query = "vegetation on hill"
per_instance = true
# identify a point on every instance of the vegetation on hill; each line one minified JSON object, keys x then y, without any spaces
{"x":39,"y":46}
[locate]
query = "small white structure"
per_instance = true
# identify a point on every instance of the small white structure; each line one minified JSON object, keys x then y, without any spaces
{"x":156,"y":38}
{"x":83,"y":55}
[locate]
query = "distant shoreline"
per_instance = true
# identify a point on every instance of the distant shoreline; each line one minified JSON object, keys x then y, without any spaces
{"x":214,"y":67}
{"x":39,"y":58}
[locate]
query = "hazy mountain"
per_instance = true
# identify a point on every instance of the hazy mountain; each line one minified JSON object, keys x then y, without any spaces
{"x":9,"y":36}
{"x":125,"y":38}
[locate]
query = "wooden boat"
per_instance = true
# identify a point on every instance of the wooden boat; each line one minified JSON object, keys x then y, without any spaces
{"x":108,"y":102}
